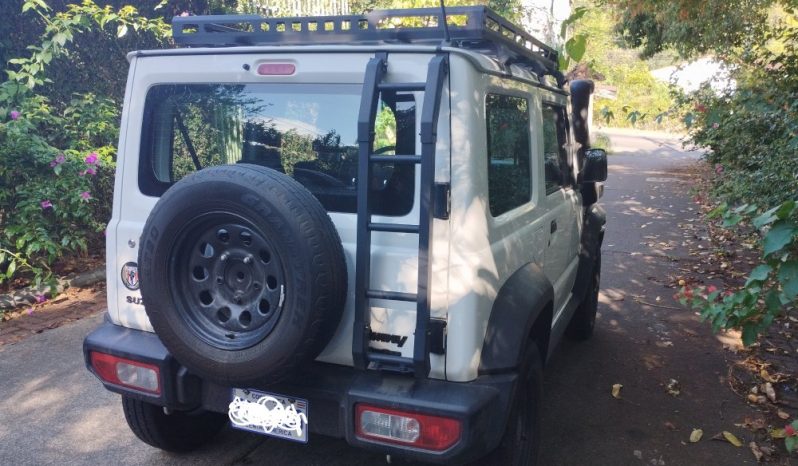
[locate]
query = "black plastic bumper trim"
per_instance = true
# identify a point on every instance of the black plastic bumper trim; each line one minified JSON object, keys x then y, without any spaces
{"x":481,"y":405}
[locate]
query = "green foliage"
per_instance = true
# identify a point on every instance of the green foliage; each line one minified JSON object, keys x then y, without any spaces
{"x":510,"y":9}
{"x":46,"y":197}
{"x":61,"y":28}
{"x":640,"y":97}
{"x":771,"y":287}
{"x":56,"y":159}
{"x":692,"y":27}
{"x":751,"y":131}
{"x":791,"y":437}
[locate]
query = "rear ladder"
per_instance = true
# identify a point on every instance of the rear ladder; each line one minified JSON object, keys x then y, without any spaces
{"x":364,"y":356}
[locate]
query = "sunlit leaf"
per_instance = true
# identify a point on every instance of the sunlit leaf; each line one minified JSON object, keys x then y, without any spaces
{"x":731,"y":438}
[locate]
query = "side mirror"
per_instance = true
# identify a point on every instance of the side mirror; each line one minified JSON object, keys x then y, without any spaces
{"x":595,"y":166}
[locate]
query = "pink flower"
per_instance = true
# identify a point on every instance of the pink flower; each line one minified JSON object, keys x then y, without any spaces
{"x":46,"y":204}
{"x":185,"y":13}
{"x":40,"y":298}
{"x":789,"y":430}
{"x":58,"y":160}
{"x":85,"y":195}
{"x":712,"y":289}
{"x":89,"y":171}
{"x":718,"y":169}
{"x":716,"y":125}
{"x":91,"y":159}
{"x":14,"y":114}
{"x":29,"y":311}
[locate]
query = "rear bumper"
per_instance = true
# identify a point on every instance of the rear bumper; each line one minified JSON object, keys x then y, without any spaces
{"x":332,"y":391}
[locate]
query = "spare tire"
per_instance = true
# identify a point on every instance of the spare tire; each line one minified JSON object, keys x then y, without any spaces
{"x":242,"y":273}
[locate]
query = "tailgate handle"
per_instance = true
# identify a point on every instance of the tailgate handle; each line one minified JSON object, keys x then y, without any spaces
{"x":553,"y":226}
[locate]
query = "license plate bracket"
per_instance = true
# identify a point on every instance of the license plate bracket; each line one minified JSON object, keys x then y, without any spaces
{"x":269,"y":414}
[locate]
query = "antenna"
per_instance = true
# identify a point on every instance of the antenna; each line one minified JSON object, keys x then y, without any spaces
{"x":445,"y":24}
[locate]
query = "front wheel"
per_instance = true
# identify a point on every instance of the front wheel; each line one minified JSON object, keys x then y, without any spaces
{"x":520,"y":445}
{"x":178,"y":432}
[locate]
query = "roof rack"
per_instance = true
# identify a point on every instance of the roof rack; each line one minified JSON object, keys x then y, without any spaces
{"x":473,"y":27}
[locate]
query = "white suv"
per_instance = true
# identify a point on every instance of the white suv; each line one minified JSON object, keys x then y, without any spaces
{"x":369,"y":227}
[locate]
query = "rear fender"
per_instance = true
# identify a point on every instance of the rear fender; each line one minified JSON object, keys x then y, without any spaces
{"x":524,"y":298}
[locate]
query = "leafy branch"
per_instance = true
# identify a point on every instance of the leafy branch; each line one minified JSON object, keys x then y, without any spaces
{"x":60,"y":30}
{"x":770,"y":288}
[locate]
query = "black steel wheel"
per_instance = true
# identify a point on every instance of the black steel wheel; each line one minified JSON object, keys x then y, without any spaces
{"x":242,"y":274}
{"x":229,"y":271}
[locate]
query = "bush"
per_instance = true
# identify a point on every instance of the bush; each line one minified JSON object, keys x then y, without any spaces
{"x":57,"y":159}
{"x":751,"y":132}
{"x":770,"y":288}
{"x":49,"y":197}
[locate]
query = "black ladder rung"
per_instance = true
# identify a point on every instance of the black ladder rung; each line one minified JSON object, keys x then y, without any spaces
{"x":402,"y":87}
{"x":392,"y":295}
{"x":393,"y":227}
{"x":400,"y":363}
{"x":395,"y":158}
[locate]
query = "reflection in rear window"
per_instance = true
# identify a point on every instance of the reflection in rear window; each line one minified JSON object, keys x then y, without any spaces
{"x":308,"y":132}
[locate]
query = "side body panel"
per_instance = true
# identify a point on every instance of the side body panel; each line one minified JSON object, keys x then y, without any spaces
{"x":115,"y":254}
{"x":485,"y":250}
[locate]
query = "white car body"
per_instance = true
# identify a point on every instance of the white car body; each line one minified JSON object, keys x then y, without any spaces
{"x":473,"y":253}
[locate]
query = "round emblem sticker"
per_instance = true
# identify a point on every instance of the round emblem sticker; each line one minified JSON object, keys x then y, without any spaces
{"x":130,"y":275}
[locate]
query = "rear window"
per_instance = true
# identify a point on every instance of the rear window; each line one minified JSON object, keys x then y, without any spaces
{"x":308,"y":132}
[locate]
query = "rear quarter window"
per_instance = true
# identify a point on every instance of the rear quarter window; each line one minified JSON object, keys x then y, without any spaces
{"x":508,"y":131}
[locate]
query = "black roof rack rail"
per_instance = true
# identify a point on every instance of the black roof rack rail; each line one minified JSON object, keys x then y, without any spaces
{"x":472,"y":27}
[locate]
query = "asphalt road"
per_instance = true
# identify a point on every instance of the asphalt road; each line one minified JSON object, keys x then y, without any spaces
{"x":52,"y":411}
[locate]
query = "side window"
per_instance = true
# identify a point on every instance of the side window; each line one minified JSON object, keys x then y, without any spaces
{"x":555,"y":147}
{"x":509,"y":181}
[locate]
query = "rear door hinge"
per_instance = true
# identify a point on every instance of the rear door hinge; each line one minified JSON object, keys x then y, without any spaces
{"x":442,"y":200}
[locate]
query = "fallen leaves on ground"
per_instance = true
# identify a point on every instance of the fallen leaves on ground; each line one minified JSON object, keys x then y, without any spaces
{"x":696,"y":435}
{"x":753,"y":424}
{"x":778,"y":433}
{"x":731,"y":438}
{"x":758,"y":454}
{"x":673,"y":387}
{"x":670,"y":426}
{"x":616,"y":391}
{"x":770,"y":392}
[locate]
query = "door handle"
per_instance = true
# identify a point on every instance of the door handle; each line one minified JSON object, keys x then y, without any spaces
{"x":553,"y":226}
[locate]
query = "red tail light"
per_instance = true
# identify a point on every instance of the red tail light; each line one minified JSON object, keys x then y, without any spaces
{"x":136,"y":375}
{"x":405,"y":428}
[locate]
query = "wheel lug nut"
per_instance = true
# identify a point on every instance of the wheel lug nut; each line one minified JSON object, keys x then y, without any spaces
{"x":219,"y":280}
{"x":256,"y":286}
{"x":248,"y":260}
{"x":224,"y":257}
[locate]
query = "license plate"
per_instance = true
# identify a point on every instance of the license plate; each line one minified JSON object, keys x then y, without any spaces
{"x":269,"y":414}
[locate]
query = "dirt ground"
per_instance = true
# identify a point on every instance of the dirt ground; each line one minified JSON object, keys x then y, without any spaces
{"x":765,"y":374}
{"x":74,"y":304}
